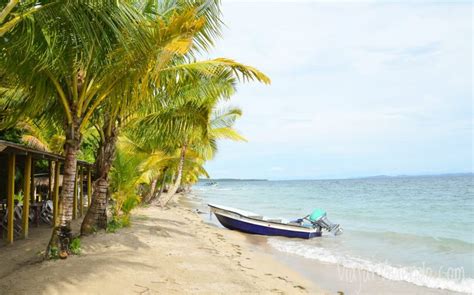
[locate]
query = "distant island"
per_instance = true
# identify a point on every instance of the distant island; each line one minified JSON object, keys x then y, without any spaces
{"x":229,"y":179}
{"x":348,"y":178}
{"x":421,"y":175}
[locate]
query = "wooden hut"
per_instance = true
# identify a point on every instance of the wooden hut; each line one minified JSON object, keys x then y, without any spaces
{"x":18,"y":164}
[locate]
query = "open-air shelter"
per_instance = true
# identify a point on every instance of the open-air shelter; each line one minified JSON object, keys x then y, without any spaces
{"x":18,"y":164}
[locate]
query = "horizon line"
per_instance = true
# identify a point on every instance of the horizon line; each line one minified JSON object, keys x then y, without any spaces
{"x":342,"y":178}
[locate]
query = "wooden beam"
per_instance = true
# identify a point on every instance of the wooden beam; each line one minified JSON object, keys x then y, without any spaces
{"x":56,"y":192}
{"x":89,"y":187}
{"x":74,"y":201}
{"x":81,"y":195}
{"x":26,"y":195}
{"x":10,"y":196}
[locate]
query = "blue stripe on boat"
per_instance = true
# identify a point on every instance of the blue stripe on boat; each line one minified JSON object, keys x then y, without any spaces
{"x":263,"y":230}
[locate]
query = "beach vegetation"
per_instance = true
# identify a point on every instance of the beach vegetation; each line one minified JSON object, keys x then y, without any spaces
{"x":113,"y":225}
{"x":53,"y":253}
{"x":117,"y":83}
{"x":123,"y":186}
{"x":75,"y":246}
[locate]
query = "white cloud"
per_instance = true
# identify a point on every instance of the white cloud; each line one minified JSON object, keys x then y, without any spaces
{"x":353,"y":79}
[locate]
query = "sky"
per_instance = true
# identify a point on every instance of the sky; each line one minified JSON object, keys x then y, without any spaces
{"x":358,"y":89}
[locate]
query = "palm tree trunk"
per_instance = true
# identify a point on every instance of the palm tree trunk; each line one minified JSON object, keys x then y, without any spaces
{"x":163,"y":184}
{"x":96,"y":216}
{"x":171,"y":191}
{"x":152,"y":191}
{"x":61,"y":235}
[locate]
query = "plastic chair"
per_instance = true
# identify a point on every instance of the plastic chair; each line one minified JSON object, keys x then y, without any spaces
{"x":46,"y":214}
{"x":17,"y":218}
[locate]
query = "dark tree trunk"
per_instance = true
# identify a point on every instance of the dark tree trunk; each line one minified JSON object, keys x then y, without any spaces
{"x":163,"y":184}
{"x":96,"y":216}
{"x":61,"y":235}
{"x":152,"y":191}
{"x":172,"y":190}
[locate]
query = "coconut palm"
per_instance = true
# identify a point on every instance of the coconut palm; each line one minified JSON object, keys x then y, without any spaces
{"x":167,"y":70}
{"x":96,"y":54}
{"x":71,"y":62}
{"x":219,"y":125}
{"x":155,"y":166}
{"x":171,"y":42}
{"x":185,"y":122}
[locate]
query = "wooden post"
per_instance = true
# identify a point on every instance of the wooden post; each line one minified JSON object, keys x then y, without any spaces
{"x":74,"y":201}
{"x":81,"y":195}
{"x":32,"y":182}
{"x":26,"y":195}
{"x":50,"y":178}
{"x":56,"y":192}
{"x":89,"y":187}
{"x":10,"y":196}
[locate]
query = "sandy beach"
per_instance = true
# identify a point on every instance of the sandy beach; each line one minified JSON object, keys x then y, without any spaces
{"x":236,"y":147}
{"x":169,"y":251}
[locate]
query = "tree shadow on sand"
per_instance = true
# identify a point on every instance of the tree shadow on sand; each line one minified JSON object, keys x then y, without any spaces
{"x":102,"y":254}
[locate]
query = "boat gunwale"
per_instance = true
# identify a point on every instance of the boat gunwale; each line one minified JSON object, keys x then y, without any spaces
{"x":263,"y":220}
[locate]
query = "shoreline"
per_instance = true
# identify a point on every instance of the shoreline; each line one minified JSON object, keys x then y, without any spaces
{"x":169,"y":251}
{"x":331,"y":277}
{"x":181,"y":251}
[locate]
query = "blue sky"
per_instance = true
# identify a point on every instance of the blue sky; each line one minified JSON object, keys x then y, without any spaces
{"x":358,"y":89}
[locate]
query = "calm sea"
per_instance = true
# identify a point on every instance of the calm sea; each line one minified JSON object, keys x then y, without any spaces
{"x":415,"y":229}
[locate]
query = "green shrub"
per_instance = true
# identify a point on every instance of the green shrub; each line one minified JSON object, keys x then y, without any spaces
{"x":125,"y":219}
{"x":130,"y":202}
{"x":123,"y":203}
{"x":75,"y":246}
{"x":54,"y":253}
{"x":118,"y":222}
{"x":114,"y":225}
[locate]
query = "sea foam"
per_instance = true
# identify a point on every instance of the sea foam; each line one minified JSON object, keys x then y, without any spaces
{"x":420,"y":276}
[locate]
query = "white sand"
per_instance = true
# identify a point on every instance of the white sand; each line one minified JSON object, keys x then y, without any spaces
{"x":164,"y":252}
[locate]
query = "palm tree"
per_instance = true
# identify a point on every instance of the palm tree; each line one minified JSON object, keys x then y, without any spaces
{"x":203,"y":148}
{"x":92,"y":55}
{"x":184,"y":123}
{"x":170,"y":41}
{"x":71,"y":62}
{"x":166,"y":69}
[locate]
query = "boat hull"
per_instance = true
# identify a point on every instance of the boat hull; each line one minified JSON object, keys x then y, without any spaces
{"x":253,"y":227}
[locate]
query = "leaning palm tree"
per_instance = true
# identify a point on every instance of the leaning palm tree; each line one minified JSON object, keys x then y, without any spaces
{"x":202,"y":148}
{"x":167,"y":69}
{"x":184,"y":121}
{"x":144,"y":77}
{"x":155,"y":166}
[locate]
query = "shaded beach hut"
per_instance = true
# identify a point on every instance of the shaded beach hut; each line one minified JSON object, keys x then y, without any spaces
{"x":18,"y":164}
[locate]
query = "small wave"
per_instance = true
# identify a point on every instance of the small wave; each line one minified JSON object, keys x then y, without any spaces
{"x":200,"y":188}
{"x":415,"y":275}
{"x":448,"y":244}
{"x":210,"y":188}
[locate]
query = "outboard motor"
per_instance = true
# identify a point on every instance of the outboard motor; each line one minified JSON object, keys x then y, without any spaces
{"x":319,"y":218}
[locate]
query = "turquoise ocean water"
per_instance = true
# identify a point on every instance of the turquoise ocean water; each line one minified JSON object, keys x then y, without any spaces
{"x":414,"y":229}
